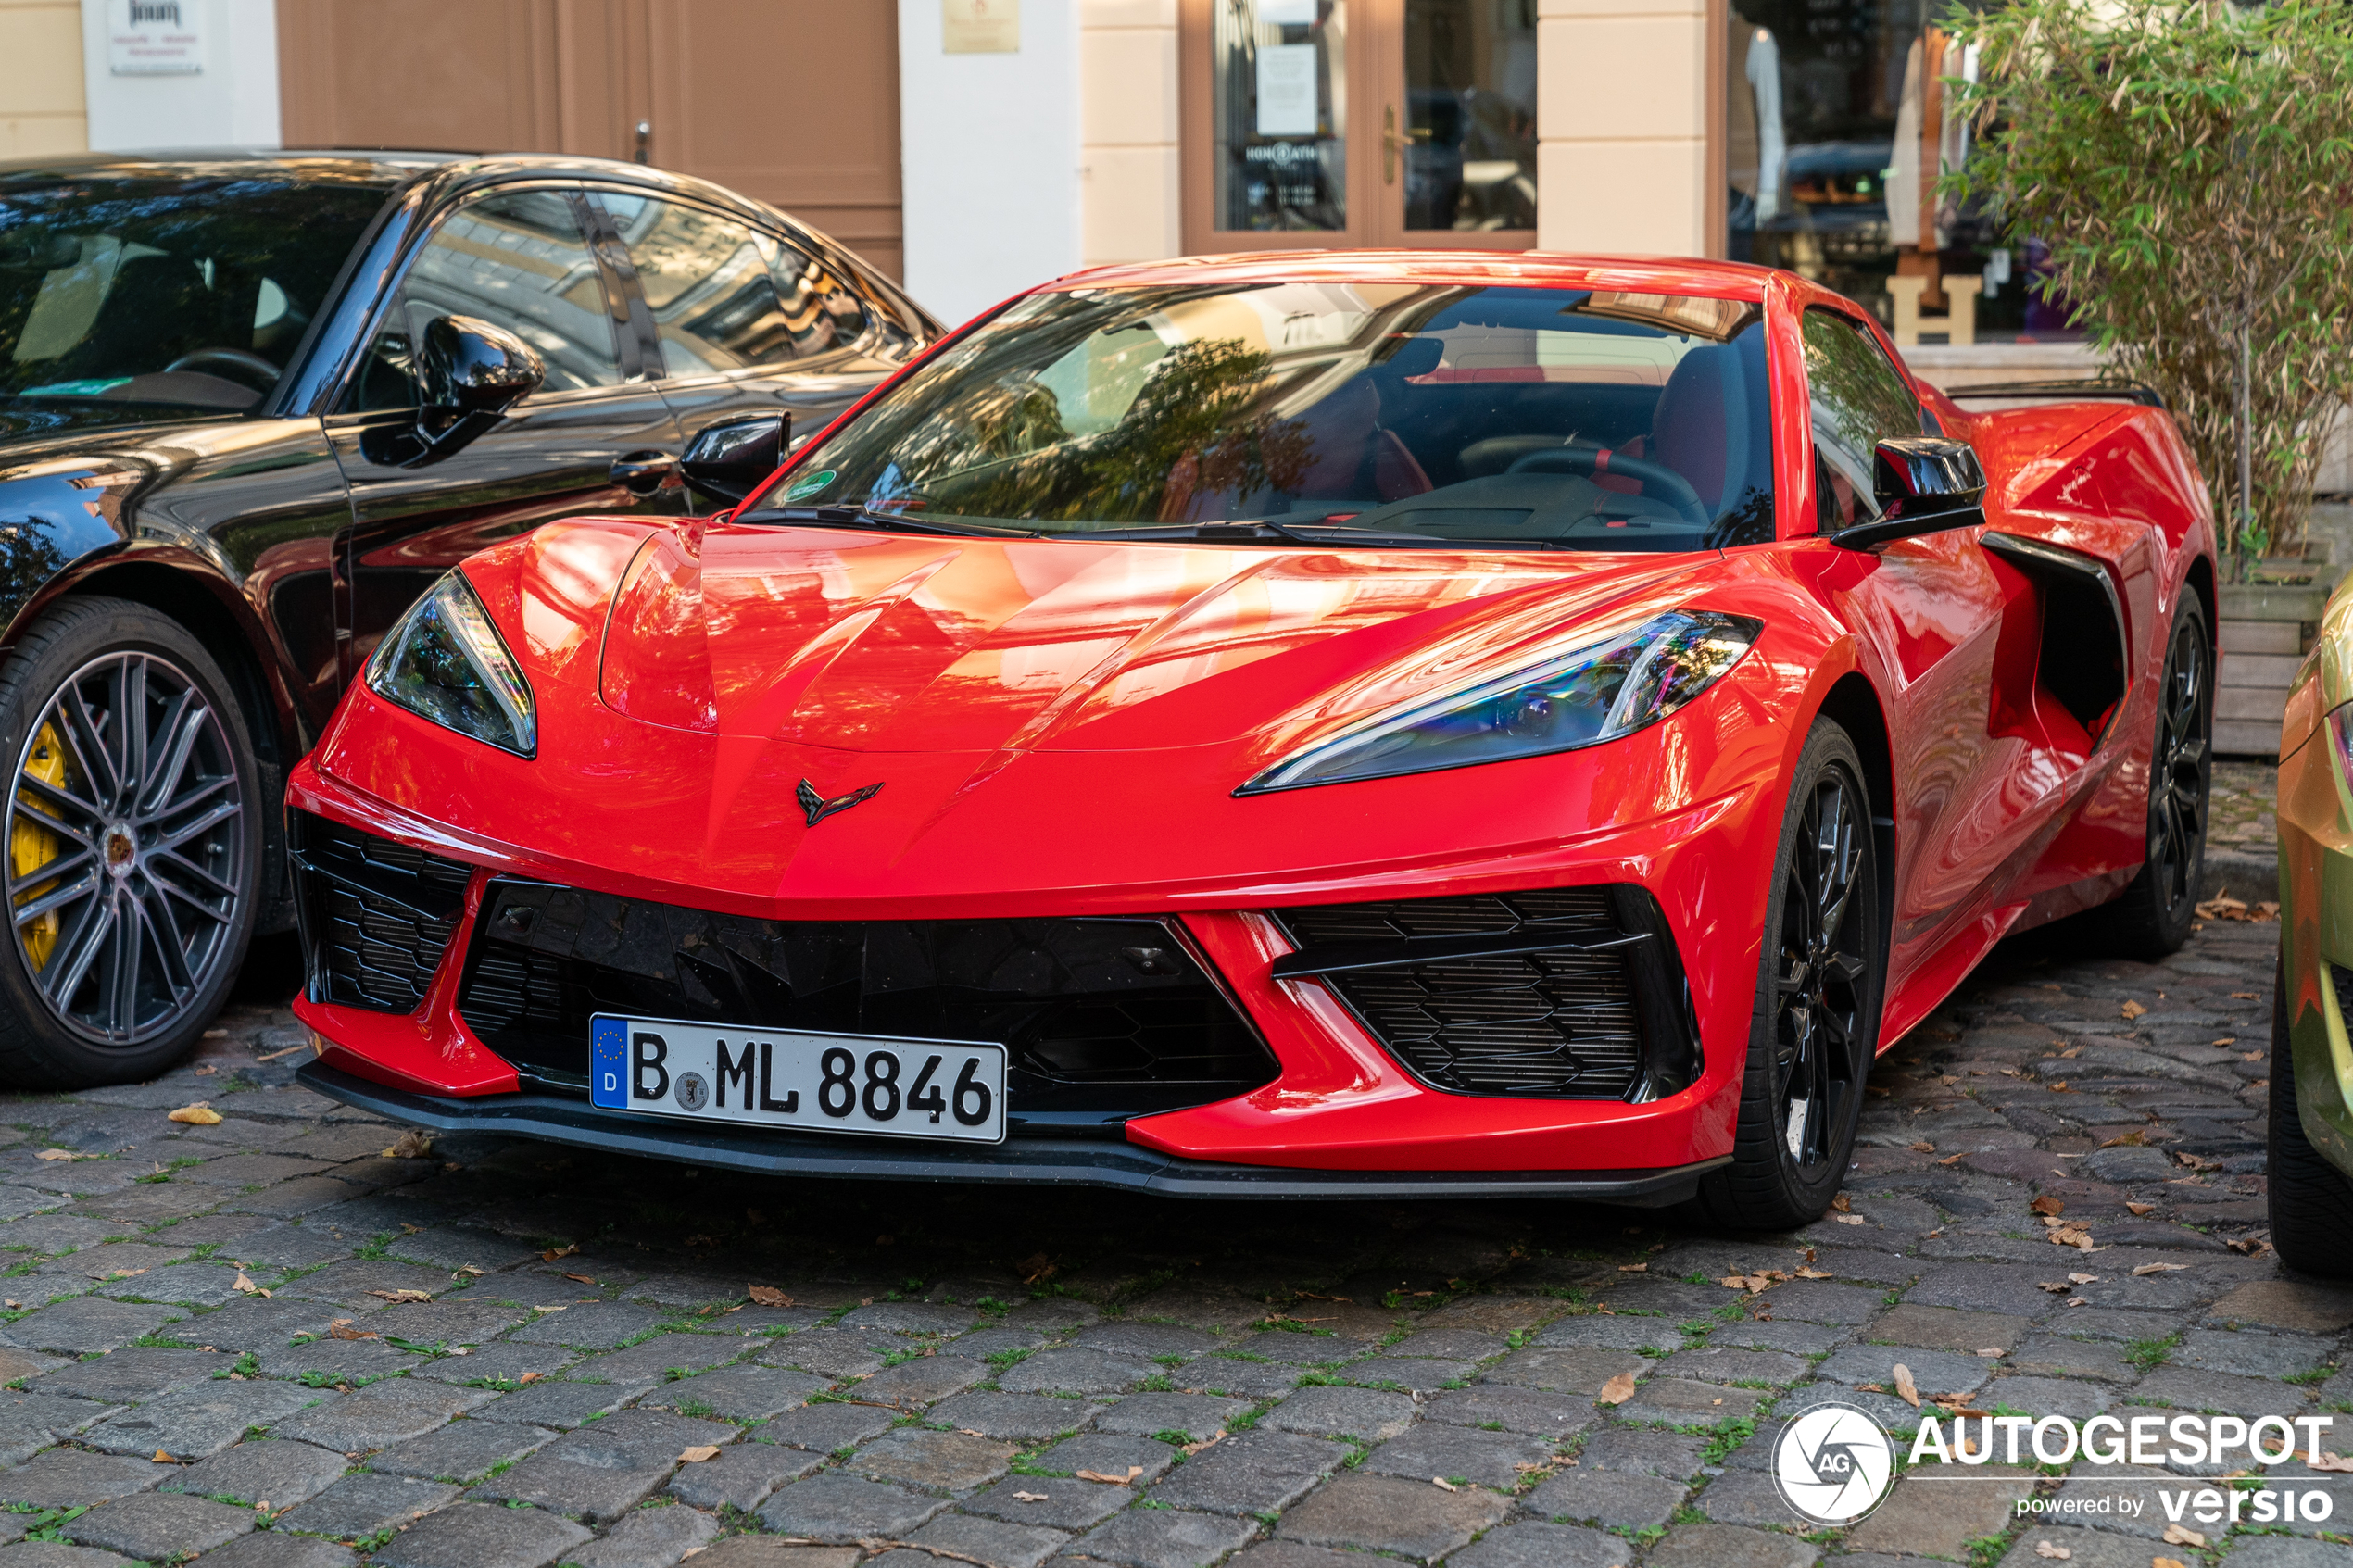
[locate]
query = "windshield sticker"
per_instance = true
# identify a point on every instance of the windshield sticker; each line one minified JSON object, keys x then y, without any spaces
{"x":803,"y":488}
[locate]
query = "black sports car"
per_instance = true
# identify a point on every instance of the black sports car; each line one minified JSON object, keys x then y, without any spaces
{"x":251,"y":404}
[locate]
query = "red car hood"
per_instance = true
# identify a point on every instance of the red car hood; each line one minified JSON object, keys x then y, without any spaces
{"x":1005,"y":691}
{"x":895,"y":643}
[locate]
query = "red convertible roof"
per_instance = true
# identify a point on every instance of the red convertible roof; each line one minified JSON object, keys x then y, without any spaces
{"x":1723,"y":279}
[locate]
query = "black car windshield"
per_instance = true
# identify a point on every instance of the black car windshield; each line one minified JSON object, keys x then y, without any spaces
{"x":190,"y":291}
{"x":1340,"y":412}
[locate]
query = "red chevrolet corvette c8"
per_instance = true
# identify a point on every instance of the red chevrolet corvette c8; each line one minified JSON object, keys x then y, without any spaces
{"x":1364,"y":724}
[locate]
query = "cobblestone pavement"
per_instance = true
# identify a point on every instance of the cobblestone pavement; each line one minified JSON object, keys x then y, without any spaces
{"x":2245,"y":794}
{"x":293,"y":1341}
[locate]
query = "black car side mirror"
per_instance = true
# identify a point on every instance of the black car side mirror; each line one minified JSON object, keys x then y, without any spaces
{"x":469,"y":374}
{"x":1923,"y":484}
{"x":726,"y":462}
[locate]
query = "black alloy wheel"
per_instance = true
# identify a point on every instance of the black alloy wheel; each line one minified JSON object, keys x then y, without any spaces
{"x":2152,"y":916}
{"x":132,"y":829}
{"x":1816,"y":1026}
{"x":2307,"y":1200}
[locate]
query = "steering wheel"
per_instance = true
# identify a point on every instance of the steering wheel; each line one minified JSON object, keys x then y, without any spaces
{"x":229,"y":359}
{"x":1659,"y":481}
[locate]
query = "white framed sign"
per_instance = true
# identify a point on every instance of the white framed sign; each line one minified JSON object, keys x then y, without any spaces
{"x":156,"y":37}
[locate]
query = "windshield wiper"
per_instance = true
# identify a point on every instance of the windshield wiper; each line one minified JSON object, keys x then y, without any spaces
{"x":868,"y":519}
{"x":1260,"y":530}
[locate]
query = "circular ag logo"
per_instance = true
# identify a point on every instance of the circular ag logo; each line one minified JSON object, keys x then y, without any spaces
{"x":1833,"y":1464}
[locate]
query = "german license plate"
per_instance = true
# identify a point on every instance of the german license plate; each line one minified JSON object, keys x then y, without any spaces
{"x":878,"y":1084}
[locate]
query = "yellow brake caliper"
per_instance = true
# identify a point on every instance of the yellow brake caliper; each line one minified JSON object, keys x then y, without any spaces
{"x":31,"y":847}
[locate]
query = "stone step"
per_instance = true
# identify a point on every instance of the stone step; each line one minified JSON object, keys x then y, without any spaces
{"x":2246,"y":738}
{"x":2268,"y":703}
{"x":2263,"y":636}
{"x":2274,"y":671}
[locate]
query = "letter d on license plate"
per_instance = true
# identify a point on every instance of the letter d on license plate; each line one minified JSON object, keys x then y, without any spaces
{"x":879,"y":1084}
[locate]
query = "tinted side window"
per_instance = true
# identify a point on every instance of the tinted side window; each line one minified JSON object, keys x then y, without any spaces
{"x":517,"y":261}
{"x":724,"y":295}
{"x":1858,"y":400}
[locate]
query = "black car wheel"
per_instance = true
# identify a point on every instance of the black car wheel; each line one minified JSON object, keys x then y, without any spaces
{"x":2152,"y":916}
{"x":2310,"y":1200}
{"x":133,"y":833}
{"x":1816,"y":1025}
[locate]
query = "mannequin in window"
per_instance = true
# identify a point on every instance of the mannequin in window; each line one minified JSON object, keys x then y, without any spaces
{"x":1755,"y":140}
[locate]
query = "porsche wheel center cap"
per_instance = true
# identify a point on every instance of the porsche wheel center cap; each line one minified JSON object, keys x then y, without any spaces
{"x":123,"y":850}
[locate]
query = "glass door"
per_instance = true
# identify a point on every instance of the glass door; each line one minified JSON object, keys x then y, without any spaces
{"x":1457,"y":135}
{"x":1335,"y":123}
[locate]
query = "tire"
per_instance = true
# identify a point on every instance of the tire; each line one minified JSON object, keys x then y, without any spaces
{"x":133,"y":851}
{"x":2310,"y":1201}
{"x":1818,"y":987}
{"x":2152,"y":916}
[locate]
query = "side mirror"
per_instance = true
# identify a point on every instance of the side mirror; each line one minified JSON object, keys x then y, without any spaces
{"x":468,"y":374}
{"x":470,"y":367}
{"x":728,"y":460}
{"x":1923,"y":484}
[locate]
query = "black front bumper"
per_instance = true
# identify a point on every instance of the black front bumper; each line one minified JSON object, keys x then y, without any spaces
{"x":1106,"y":1162}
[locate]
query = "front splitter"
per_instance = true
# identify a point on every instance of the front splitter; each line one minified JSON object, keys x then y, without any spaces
{"x":1100,"y":1162}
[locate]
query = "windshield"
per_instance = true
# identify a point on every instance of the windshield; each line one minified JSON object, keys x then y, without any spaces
{"x":1371,"y":413}
{"x":189,"y":292}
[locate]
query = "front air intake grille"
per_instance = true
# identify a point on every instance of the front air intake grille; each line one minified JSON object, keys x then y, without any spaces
{"x":1101,"y":1019}
{"x":1557,"y":994}
{"x":376,"y":914}
{"x":2342,"y":979}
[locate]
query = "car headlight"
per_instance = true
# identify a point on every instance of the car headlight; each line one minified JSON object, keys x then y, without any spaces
{"x":1610,"y":686}
{"x":443,"y":660}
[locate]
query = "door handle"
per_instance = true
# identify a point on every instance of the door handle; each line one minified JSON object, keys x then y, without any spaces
{"x":1390,"y":141}
{"x":642,"y":474}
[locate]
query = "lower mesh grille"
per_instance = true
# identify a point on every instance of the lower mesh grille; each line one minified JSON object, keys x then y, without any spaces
{"x":377,"y":915}
{"x":1101,"y":1019}
{"x":379,"y":955}
{"x":1585,"y":1002}
{"x":2342,"y":978}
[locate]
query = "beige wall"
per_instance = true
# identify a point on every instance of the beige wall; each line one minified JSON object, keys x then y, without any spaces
{"x":1127,"y":189}
{"x":41,"y":107}
{"x":1621,"y":119}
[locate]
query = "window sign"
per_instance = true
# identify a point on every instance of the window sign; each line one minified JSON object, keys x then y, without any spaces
{"x":1287,"y":75}
{"x":1287,"y":13}
{"x":980,"y":27}
{"x":155,"y":37}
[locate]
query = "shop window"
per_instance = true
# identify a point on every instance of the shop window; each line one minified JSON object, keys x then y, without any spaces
{"x":1279,"y":76}
{"x":1836,"y":126}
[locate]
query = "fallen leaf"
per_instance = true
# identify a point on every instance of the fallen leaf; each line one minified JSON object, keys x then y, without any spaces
{"x":1953,"y":1158}
{"x":698,"y":1453}
{"x":2159,"y":1269}
{"x":63,"y":1154}
{"x":769,"y":1296}
{"x":555,"y":1252}
{"x":2167,"y":1563}
{"x":2327,"y":1460}
{"x":2251,"y":1247}
{"x":1133,"y":1471}
{"x":164,"y":1458}
{"x":2181,"y":1535}
{"x":288,"y":1051}
{"x":341,"y":1329}
{"x":2073,"y":1235}
{"x":196,"y":1115}
{"x":1842,"y":1203}
{"x":1993,"y":1352}
{"x":2058,"y":1086}
{"x":2247,"y":996}
{"x":1032,"y":1497}
{"x":2044,"y":1548}
{"x":2055,"y":1286}
{"x":206,"y":1071}
{"x":1189,"y":1450}
{"x":1444,"y":1485}
{"x":530,"y":1377}
{"x":2084,"y":1279}
{"x":2134,"y":1010}
{"x":403,"y":1295}
{"x":244,"y":1286}
{"x":2226,"y":1040}
{"x":2142,"y":1207}
{"x":1813,"y":1273}
{"x":1618,"y":1389}
{"x":2077,"y":1302}
{"x":410,"y":1145}
{"x":1905,"y":1390}
{"x":1848,"y":1219}
{"x":1923,"y":1148}
{"x":2046,"y":1204}
{"x":582,"y":1278}
{"x":1633,"y":1268}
